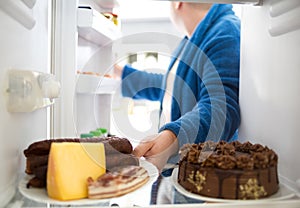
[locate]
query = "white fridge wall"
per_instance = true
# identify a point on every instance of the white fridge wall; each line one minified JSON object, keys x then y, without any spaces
{"x":22,"y":49}
{"x":270,"y":86}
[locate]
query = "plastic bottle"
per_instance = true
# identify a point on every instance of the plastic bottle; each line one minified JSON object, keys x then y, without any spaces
{"x":28,"y":91}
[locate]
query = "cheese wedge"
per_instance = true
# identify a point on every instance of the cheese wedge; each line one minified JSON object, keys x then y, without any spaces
{"x":69,"y":166}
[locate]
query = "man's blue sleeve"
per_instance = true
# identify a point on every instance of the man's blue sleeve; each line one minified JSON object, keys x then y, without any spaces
{"x":141,"y":85}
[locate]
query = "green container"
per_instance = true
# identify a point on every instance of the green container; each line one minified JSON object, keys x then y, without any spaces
{"x":87,"y":135}
{"x":102,"y":130}
{"x":96,"y":133}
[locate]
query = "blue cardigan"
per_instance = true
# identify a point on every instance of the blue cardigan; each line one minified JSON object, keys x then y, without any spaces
{"x":205,"y":96}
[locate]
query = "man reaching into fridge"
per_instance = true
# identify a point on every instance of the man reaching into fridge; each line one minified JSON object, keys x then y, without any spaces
{"x":199,"y":92}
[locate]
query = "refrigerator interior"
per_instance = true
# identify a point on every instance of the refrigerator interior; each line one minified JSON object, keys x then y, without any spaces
{"x":269,"y":82}
{"x":93,"y":94}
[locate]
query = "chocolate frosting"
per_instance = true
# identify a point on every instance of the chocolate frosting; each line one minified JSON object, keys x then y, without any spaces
{"x":234,"y":155}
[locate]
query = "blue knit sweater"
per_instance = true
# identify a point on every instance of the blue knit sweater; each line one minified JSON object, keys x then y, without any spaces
{"x":205,"y":96}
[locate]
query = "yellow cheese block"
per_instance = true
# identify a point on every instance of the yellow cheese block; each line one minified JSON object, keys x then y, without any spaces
{"x":69,"y":166}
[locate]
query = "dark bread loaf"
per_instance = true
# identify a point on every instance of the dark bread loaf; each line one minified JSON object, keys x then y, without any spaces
{"x":34,"y":161}
{"x":111,"y":144}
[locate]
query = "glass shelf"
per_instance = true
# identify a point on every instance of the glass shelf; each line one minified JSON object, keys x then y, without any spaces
{"x":91,"y":84}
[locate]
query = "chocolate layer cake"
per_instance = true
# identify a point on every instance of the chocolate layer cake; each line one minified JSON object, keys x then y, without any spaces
{"x":228,"y":170}
{"x":117,"y":150}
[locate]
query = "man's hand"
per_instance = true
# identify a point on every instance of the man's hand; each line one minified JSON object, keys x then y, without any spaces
{"x":157,"y":149}
{"x":118,"y":70}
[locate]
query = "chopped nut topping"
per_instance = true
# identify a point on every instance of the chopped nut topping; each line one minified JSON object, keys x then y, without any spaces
{"x":199,"y":180}
{"x":251,"y":190}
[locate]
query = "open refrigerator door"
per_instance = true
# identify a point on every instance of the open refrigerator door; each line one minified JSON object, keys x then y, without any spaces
{"x":25,"y":47}
{"x":47,"y":38}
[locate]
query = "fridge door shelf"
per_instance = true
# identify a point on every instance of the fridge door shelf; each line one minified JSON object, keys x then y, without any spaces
{"x":27,"y":90}
{"x":95,"y":27}
{"x":92,"y":84}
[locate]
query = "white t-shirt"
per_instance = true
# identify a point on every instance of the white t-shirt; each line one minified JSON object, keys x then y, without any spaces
{"x":167,"y":100}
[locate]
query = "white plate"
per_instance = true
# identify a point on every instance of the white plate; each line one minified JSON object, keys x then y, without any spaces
{"x":282,"y":193}
{"x":40,"y":194}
